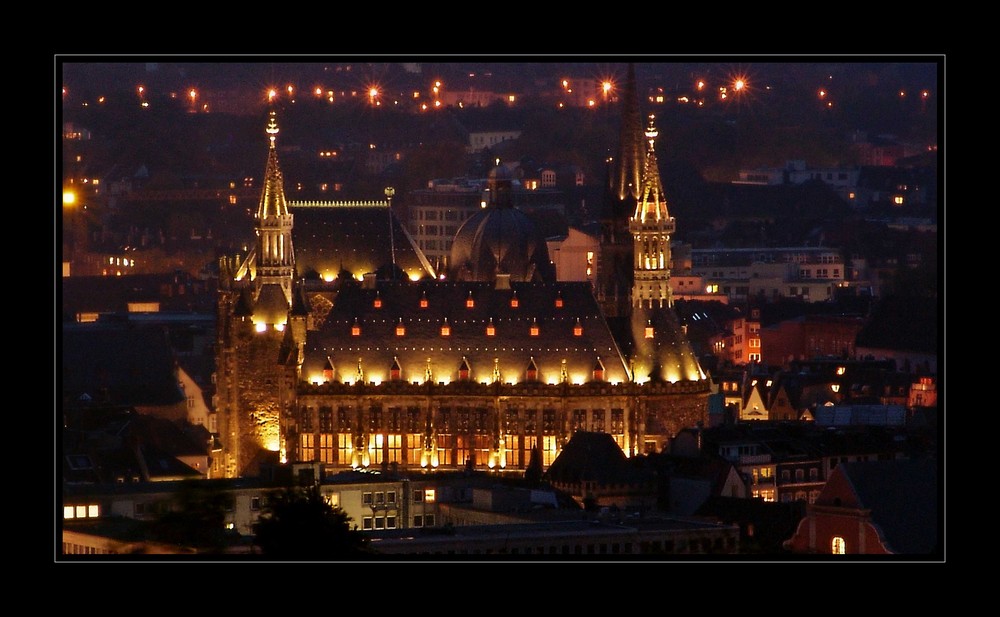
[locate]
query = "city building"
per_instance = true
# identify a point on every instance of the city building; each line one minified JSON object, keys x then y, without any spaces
{"x":475,"y":371}
{"x":858,"y":511}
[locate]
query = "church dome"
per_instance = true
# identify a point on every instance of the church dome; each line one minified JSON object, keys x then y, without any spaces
{"x":500,"y":241}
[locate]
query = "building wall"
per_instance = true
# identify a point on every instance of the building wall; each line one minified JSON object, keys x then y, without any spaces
{"x":809,"y":337}
{"x":575,"y":256}
{"x":816,"y":532}
{"x":411,"y":426}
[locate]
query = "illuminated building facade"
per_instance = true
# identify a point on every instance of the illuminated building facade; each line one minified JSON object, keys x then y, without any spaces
{"x":262,"y":319}
{"x":490,"y":367}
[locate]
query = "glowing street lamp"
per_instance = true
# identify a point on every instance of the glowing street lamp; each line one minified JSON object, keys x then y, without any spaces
{"x":389,"y":192}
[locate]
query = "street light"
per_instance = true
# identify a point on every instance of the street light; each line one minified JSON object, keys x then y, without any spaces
{"x":389,"y":192}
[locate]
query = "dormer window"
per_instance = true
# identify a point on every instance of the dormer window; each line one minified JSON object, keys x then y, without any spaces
{"x":445,"y":328}
{"x":490,"y":328}
{"x":531,"y":374}
{"x":356,"y":329}
{"x":513,"y":301}
{"x":649,"y":329}
{"x":377,"y":303}
{"x":599,"y":370}
{"x":395,"y":371}
{"x":463,"y":370}
{"x":559,"y":300}
{"x":469,"y":302}
{"x":578,"y":328}
{"x":423,"y":300}
{"x":534,"y":330}
{"x":400,"y":328}
{"x":328,"y":370}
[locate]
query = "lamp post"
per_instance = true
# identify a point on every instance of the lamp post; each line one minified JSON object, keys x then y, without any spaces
{"x":389,"y":192}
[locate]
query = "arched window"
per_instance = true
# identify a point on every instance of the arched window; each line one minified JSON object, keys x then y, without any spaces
{"x":838,"y":546}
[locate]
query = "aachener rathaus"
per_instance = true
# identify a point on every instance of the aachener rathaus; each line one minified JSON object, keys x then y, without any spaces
{"x":382,"y":369}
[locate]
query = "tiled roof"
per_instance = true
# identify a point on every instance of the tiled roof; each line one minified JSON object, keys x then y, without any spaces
{"x":353,"y":238}
{"x":553,"y":308}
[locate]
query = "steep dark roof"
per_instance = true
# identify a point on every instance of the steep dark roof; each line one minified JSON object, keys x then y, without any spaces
{"x":511,"y":348}
{"x":352,"y":238}
{"x":590,"y":456}
{"x":903,"y":496}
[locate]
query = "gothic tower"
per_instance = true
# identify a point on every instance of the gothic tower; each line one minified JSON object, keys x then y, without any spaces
{"x":614,"y":279}
{"x":261,"y":331}
{"x":661,"y":350}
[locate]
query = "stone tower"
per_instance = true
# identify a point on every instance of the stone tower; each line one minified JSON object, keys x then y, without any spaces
{"x":614,"y":277}
{"x":261,"y":331}
{"x":661,"y":351}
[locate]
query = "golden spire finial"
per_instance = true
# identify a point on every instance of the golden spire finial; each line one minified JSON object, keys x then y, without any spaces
{"x":272,"y":127}
{"x":651,"y":131}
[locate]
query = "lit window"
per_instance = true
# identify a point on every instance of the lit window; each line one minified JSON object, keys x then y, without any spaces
{"x":578,"y":329}
{"x":559,"y":302}
{"x":490,"y":329}
{"x":423,"y":302}
{"x":429,"y":495}
{"x":445,"y":329}
{"x":838,"y":546}
{"x":469,"y":302}
{"x":513,"y":302}
{"x":400,"y":328}
{"x":378,"y":302}
{"x":534,"y":329}
{"x":356,"y":330}
{"x":649,"y":331}
{"x":68,"y":512}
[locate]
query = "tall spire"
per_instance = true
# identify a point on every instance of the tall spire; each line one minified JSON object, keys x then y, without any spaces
{"x":275,"y":259}
{"x":630,"y":147}
{"x":651,"y":227}
{"x":272,"y":200}
{"x":652,"y":203}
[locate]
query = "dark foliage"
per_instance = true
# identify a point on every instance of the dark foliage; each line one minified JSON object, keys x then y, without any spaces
{"x":299,"y":524}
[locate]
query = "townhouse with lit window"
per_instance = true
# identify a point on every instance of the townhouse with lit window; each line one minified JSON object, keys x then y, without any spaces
{"x":812,"y":274}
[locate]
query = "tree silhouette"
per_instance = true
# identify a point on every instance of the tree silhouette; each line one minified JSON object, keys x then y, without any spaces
{"x":197,"y":519}
{"x":299,"y":524}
